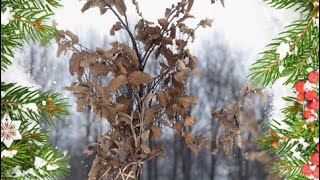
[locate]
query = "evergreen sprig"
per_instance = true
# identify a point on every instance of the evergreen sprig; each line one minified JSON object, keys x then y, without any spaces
{"x":49,"y":105}
{"x":302,"y":36}
{"x":297,"y":4}
{"x":304,"y":47}
{"x":31,"y":107}
{"x":28,"y":22}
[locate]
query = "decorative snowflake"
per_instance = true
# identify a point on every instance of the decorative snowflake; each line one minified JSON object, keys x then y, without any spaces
{"x":9,"y":130}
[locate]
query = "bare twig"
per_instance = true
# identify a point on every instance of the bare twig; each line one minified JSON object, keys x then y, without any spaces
{"x":133,"y":41}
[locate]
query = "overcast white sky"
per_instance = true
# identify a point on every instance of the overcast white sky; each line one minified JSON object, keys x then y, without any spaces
{"x":245,"y":24}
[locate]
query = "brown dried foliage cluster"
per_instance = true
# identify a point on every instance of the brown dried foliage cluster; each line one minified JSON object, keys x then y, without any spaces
{"x":114,"y":84}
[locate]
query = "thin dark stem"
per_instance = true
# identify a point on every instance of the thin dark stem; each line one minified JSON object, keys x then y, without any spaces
{"x":146,"y":58}
{"x":126,"y":19}
{"x":151,"y":48}
{"x":134,"y":44}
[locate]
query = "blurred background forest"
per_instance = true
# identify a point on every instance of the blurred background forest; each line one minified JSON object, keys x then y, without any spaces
{"x":221,"y":74}
{"x":216,"y":83}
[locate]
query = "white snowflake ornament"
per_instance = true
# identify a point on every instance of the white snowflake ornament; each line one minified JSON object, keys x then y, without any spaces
{"x":9,"y":130}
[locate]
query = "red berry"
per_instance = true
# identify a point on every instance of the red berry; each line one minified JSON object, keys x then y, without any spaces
{"x":311,"y":95}
{"x":317,"y":148}
{"x":314,"y":105}
{"x":300,"y":97}
{"x":313,"y":77}
{"x":306,"y":169}
{"x":315,"y":158}
{"x":306,"y":114}
{"x":300,"y":86}
{"x":316,"y":172}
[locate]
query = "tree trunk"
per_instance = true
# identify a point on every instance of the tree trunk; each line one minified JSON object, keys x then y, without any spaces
{"x":155,"y":169}
{"x":186,"y":156}
{"x":240,"y":165}
{"x":175,"y":159}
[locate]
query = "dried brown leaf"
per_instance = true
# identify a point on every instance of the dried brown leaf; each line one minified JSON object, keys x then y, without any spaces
{"x":163,"y":23}
{"x":228,"y":147}
{"x":217,"y":113}
{"x":188,"y":138}
{"x":189,"y":121}
{"x":177,"y":126}
{"x":77,"y":88}
{"x":149,"y":98}
{"x":192,"y":60}
{"x":103,"y":9}
{"x":88,"y":59}
{"x":132,"y":55}
{"x":150,"y":115}
{"x":145,"y":148}
{"x":173,"y":31}
{"x":91,"y":149}
{"x":145,"y":135}
{"x":190,"y":4}
{"x":216,"y":150}
{"x":138,"y":77}
{"x":227,"y":139}
{"x":206,"y":22}
{"x":222,"y":2}
{"x":181,"y":44}
{"x":156,"y":131}
{"x":62,"y":48}
{"x":116,"y":27}
{"x":207,"y":144}
{"x":74,"y":37}
{"x":227,"y":123}
{"x":239,"y":141}
{"x":99,"y":69}
{"x":194,"y":148}
{"x":104,"y":53}
{"x":180,"y":77}
{"x":74,"y":65}
{"x":121,"y":7}
{"x":185,"y":29}
{"x":187,"y":101}
{"x":224,"y":138}
{"x":87,"y":5}
{"x":167,"y":13}
{"x":162,"y":99}
{"x":117,"y":82}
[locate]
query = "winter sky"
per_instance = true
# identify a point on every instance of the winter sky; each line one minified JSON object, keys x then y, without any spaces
{"x":247,"y":25}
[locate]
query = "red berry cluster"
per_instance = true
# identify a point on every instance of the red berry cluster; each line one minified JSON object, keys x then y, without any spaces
{"x":309,"y":95}
{"x":312,"y":170}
